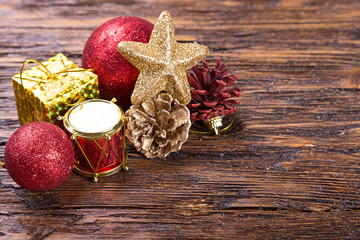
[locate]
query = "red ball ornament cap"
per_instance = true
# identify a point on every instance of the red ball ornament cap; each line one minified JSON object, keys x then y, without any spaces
{"x":39,"y":156}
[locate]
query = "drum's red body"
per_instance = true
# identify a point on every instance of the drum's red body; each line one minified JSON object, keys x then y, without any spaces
{"x":103,"y":155}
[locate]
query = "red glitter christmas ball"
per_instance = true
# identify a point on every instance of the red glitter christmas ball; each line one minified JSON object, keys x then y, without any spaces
{"x":39,"y":156}
{"x":117,"y":76}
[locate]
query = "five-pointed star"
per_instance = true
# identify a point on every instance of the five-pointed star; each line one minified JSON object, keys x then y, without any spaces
{"x":162,"y":62}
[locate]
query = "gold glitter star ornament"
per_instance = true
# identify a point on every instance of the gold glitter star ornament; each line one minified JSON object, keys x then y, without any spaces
{"x":162,"y":62}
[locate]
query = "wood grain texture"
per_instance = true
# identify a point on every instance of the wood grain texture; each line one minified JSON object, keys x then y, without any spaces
{"x":288,"y":169}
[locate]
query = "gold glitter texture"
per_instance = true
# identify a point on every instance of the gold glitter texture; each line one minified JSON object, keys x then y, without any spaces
{"x":162,"y":62}
{"x":43,"y":94}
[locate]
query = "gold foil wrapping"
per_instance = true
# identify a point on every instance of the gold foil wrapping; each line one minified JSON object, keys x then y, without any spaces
{"x":48,"y":91}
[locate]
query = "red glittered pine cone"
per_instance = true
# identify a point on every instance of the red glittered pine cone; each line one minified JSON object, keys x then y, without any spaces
{"x":210,"y":92}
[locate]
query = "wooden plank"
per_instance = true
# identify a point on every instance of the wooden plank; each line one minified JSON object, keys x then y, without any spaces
{"x":287,"y":169}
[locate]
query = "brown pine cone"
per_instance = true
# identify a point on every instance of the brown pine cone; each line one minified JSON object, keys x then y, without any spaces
{"x":158,"y":126}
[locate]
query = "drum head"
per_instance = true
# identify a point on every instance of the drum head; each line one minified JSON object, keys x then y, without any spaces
{"x":95,"y":116}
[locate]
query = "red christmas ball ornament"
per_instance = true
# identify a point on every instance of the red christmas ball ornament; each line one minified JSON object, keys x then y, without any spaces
{"x":39,"y":156}
{"x":116,"y":75}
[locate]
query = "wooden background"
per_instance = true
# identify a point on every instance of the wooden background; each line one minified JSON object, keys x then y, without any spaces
{"x":288,"y":169}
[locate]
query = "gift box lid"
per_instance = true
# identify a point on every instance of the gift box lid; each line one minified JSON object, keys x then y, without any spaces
{"x":53,"y":77}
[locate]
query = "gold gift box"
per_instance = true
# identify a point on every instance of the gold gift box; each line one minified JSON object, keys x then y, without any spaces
{"x":49,"y":89}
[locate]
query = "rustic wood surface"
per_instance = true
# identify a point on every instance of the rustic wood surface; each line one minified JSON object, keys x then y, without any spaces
{"x":289,"y":168}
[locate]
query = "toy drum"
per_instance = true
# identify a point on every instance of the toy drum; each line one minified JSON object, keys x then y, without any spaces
{"x":97,"y":128}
